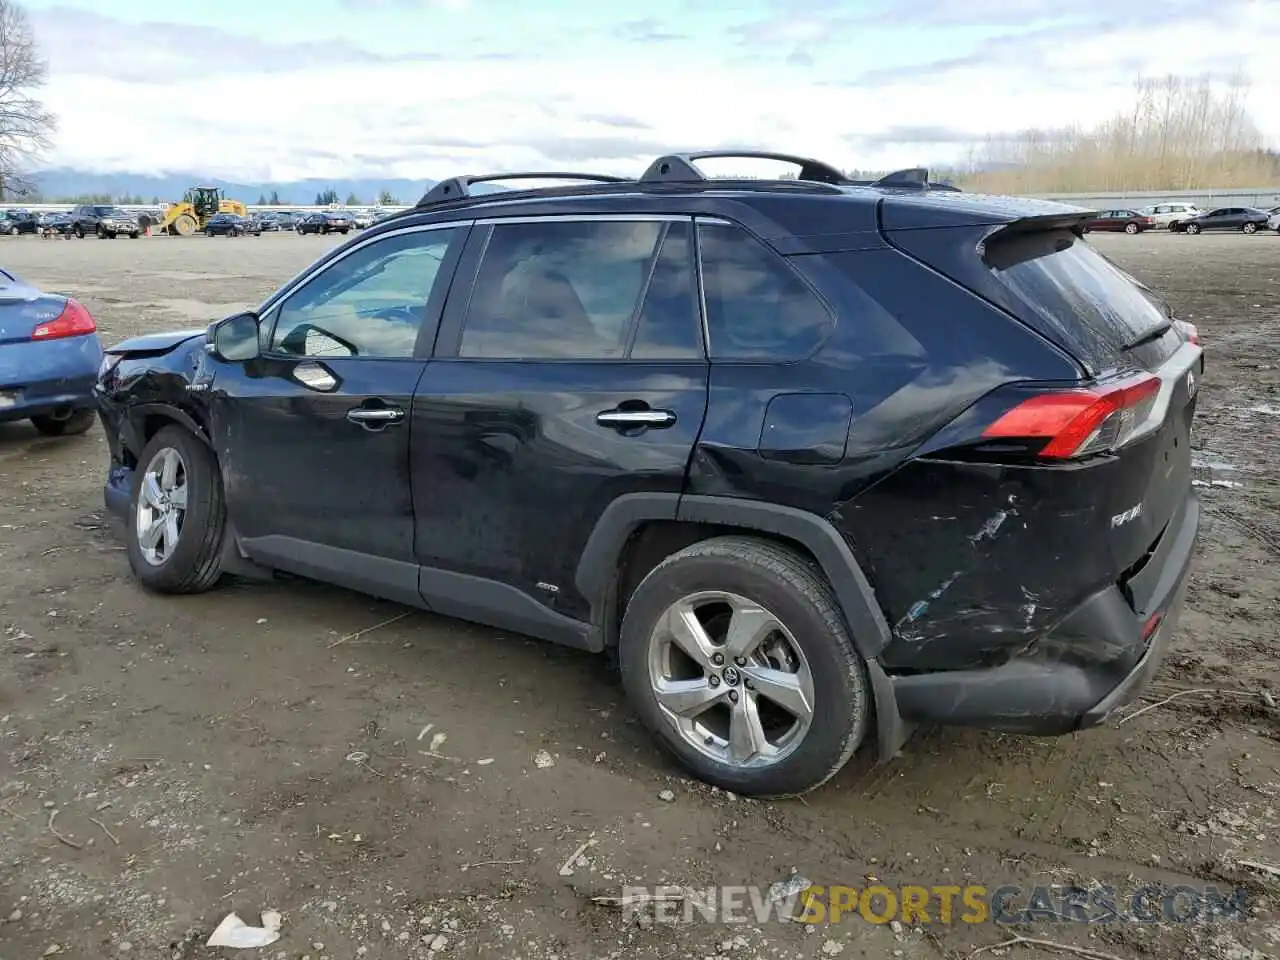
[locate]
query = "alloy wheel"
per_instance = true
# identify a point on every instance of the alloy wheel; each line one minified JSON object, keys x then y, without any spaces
{"x":730,"y":679}
{"x":162,"y":506}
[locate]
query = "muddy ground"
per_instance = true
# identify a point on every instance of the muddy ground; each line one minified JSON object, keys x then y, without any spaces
{"x":247,"y":750}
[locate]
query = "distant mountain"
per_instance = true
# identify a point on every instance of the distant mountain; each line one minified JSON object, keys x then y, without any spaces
{"x":64,"y":183}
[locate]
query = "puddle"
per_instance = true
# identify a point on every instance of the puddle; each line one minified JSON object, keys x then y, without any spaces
{"x":1264,"y":408}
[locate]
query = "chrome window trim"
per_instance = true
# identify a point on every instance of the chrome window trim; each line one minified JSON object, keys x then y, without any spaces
{"x":586,"y":217}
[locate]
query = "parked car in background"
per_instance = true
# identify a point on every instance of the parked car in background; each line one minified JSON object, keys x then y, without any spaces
{"x":1273,"y":222}
{"x":49,"y":359}
{"x":1126,"y":221}
{"x":326,"y":221}
{"x":1169,"y":216}
{"x":59,"y":223}
{"x":362,"y":219}
{"x":232,"y":225}
{"x":14,"y":222}
{"x":1246,"y":219}
{"x":270,"y":222}
{"x":771,"y":479}
{"x":105,"y":221}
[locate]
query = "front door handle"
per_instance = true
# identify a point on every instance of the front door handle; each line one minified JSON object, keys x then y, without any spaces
{"x":630,"y":419}
{"x":375,"y":417}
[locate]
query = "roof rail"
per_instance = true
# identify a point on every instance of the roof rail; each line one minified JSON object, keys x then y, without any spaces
{"x":679,"y":167}
{"x":456,"y":188}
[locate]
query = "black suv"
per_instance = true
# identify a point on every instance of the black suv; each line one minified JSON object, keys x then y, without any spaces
{"x":105,"y":221}
{"x":812,"y":458}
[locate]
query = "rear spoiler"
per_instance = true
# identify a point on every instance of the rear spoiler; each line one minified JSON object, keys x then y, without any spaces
{"x":1000,"y":248}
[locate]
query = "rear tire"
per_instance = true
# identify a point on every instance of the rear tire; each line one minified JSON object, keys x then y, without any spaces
{"x":1132,"y":228}
{"x":78,"y":422}
{"x":788,"y":610}
{"x":185,"y":555}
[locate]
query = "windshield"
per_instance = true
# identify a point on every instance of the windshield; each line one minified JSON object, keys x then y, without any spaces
{"x":109,"y":212}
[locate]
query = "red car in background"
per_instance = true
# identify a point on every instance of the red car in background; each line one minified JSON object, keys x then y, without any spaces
{"x":1130,"y":221}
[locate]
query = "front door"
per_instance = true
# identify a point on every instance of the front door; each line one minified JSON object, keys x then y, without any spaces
{"x":314,"y":433}
{"x":574,"y":373}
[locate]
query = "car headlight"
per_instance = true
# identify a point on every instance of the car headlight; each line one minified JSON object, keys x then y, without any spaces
{"x":108,"y":365}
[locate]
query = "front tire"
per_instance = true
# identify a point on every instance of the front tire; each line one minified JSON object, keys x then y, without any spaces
{"x":1193,"y":228}
{"x":78,"y":421}
{"x":737,"y":657}
{"x":178,"y":514}
{"x":1250,"y":228}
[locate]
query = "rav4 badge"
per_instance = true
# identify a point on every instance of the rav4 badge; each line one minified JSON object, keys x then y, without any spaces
{"x":1120,"y":519}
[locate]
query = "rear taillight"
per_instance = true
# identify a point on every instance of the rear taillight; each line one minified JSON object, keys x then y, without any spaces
{"x":1080,"y":421}
{"x":74,"y":321}
{"x":1188,"y":330}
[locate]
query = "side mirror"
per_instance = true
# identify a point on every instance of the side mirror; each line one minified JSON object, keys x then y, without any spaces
{"x":235,"y":339}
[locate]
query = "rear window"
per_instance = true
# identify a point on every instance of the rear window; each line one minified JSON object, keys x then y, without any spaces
{"x":1077,"y":291}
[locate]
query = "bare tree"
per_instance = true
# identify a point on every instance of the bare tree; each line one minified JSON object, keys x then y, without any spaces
{"x":25,"y":125}
{"x":1180,"y":133}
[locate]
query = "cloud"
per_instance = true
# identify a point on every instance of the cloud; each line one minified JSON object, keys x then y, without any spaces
{"x":77,"y":41}
{"x":648,"y":30}
{"x":501,"y":93}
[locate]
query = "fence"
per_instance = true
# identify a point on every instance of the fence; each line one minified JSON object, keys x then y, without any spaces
{"x":1263,"y":197}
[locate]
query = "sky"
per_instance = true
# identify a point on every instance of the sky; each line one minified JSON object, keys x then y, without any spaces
{"x":264,"y":90}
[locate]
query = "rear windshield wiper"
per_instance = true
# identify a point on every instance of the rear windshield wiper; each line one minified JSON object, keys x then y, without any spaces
{"x":1155,"y":333}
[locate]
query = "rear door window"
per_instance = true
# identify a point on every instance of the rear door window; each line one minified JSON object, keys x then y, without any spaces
{"x":1096,"y":306}
{"x":591,"y":289}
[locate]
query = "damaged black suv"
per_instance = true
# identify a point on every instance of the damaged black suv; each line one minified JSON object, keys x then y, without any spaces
{"x":814,"y":458}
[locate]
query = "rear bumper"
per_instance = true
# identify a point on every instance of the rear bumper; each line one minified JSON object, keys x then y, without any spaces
{"x":1097,"y":659}
{"x":47,"y":376}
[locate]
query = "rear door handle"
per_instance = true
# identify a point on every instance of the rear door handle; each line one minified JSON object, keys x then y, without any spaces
{"x":374,"y":417}
{"x":622,"y":419}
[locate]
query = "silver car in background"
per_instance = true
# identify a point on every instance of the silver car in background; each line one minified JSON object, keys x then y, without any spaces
{"x":1168,"y":216}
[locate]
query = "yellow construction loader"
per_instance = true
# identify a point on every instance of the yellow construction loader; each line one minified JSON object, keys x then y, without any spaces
{"x":197,"y":206}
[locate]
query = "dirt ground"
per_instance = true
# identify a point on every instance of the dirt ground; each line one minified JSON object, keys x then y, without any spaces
{"x":247,"y":750}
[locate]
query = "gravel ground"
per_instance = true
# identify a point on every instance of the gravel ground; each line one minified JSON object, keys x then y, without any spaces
{"x":416,"y":790}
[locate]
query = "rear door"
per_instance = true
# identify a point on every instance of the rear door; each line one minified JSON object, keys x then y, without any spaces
{"x":570,"y":371}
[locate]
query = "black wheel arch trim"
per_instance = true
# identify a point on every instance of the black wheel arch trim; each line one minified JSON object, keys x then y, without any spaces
{"x":136,"y":413}
{"x":598,"y":563}
{"x":868,"y":628}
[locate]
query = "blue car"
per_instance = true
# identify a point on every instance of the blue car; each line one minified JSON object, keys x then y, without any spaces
{"x":49,"y":359}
